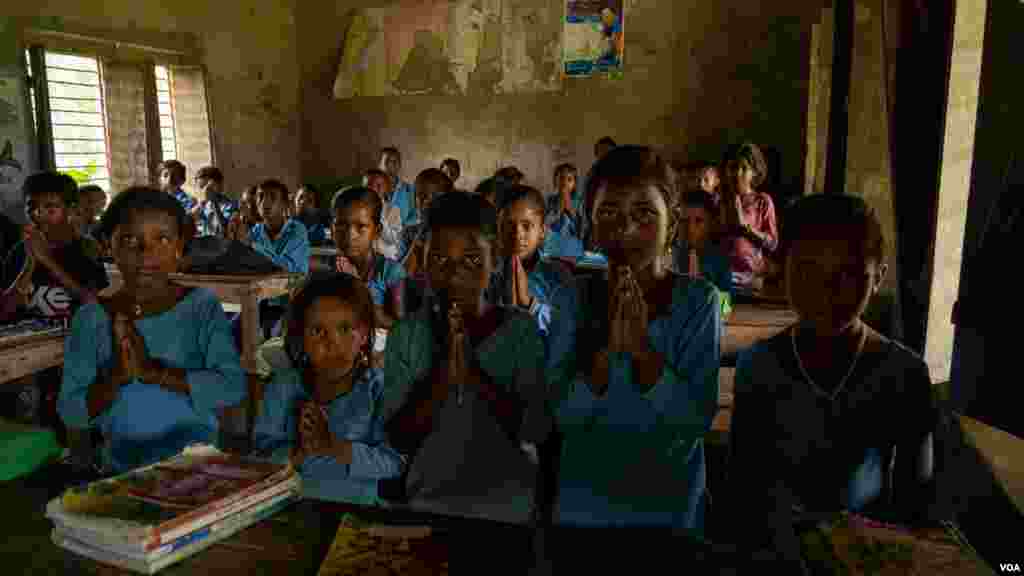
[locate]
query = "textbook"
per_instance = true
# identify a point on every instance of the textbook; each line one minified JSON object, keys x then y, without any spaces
{"x":148,"y":508}
{"x":185,"y":547}
{"x":363,"y":548}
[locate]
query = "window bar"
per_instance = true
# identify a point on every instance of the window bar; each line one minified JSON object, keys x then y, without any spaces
{"x":154,"y":144}
{"x":44,"y":126}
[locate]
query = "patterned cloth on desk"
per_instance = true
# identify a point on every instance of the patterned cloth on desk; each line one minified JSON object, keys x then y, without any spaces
{"x":147,"y":422}
{"x":350,"y":417}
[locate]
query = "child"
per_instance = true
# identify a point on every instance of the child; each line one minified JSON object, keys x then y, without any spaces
{"x":451,"y":169}
{"x":357,"y":215}
{"x":214,"y":209}
{"x":392,"y":220}
{"x":708,"y":180}
{"x":510,"y":175}
{"x":307,"y":211}
{"x":152,"y":365}
{"x":807,"y":428}
{"x":66,"y":271}
{"x":281,"y":239}
{"x":563,"y":213}
{"x":640,"y":389}
{"x":172,"y":178}
{"x":92,"y":203}
{"x":404,"y":195}
{"x":322,"y":414}
{"x":248,"y":210}
{"x":749,"y":215}
{"x":430,"y":184}
{"x":488,"y":190}
{"x":602,"y":147}
{"x":707,"y":260}
{"x":463,"y":393}
{"x":523,"y":277}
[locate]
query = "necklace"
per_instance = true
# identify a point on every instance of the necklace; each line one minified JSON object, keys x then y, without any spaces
{"x":842,"y":383}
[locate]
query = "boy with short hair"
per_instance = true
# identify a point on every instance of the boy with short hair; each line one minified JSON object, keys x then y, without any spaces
{"x":172,"y":178}
{"x":92,"y":203}
{"x":214,"y":209}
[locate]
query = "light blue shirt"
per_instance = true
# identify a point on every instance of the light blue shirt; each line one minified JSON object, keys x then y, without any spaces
{"x":404,"y":197}
{"x":386,"y":275}
{"x":290,"y":250}
{"x":351,"y":417}
{"x":564,"y":236}
{"x":147,"y":423}
{"x":632,"y":457}
{"x":186,"y":201}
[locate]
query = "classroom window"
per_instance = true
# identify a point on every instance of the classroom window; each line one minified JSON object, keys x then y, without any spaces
{"x":165,"y":106}
{"x":77,"y":118}
{"x":111,"y":121}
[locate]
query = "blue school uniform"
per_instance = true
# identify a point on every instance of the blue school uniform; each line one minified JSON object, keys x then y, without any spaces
{"x":564,"y":236}
{"x":385,"y":274}
{"x":404,"y":197}
{"x":470,"y":463}
{"x":205,"y":223}
{"x":351,"y":417}
{"x":187,"y":202}
{"x":290,"y":250}
{"x":714,"y":266}
{"x":551,"y":285}
{"x":631,"y":457}
{"x":408,"y":236}
{"x":146,"y":422}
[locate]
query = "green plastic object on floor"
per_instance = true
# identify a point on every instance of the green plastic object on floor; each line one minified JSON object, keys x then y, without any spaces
{"x":24,"y":449}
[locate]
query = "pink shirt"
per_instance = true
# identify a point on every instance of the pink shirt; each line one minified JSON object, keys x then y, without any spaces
{"x":745,"y":257}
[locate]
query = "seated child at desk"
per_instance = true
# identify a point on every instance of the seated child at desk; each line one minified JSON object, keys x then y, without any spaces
{"x":696,"y":253}
{"x":92,"y":203}
{"x":307,"y":211}
{"x":357,"y":225}
{"x":829,"y":414}
{"x":152,"y":365}
{"x":751,"y":231}
{"x":387,"y":242}
{"x":322,"y":413}
{"x":430,"y":184}
{"x":214,"y":209}
{"x":464,"y":397}
{"x":640,"y":389}
{"x":172,"y":178}
{"x":281,"y":239}
{"x":563,"y":212}
{"x":452,"y":169}
{"x":524,"y":278}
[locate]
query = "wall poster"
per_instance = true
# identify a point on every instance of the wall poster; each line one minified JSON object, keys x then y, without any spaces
{"x":594,"y":40}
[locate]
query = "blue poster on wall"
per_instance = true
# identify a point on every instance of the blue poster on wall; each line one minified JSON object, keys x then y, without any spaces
{"x":594,"y":40}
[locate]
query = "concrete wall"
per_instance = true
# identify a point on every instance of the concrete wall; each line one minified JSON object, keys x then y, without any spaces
{"x":689,"y":88}
{"x":248,"y":50}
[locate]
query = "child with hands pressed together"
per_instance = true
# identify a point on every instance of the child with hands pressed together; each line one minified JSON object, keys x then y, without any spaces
{"x":356,"y":228}
{"x":640,"y":389}
{"x":153,"y":365}
{"x":322,"y":414}
{"x":463,"y":397}
{"x":563,"y":216}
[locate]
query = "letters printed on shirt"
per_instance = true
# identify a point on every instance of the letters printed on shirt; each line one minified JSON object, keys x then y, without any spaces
{"x":51,"y":300}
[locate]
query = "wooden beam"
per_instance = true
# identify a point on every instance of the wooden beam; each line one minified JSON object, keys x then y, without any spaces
{"x":839,"y":106}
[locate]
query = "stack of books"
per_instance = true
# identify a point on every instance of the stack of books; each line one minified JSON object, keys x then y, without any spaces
{"x":150,"y":518}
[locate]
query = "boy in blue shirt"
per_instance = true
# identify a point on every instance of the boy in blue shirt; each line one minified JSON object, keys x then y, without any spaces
{"x":283,"y":240}
{"x":172,"y":178}
{"x":214,"y":209}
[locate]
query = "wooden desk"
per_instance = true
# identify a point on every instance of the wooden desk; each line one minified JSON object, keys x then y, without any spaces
{"x":1004,"y":453}
{"x":27,"y":354}
{"x":749,"y":323}
{"x":245,"y":291}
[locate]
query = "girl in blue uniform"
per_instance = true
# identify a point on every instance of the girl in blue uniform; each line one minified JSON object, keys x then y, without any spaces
{"x":154,"y":364}
{"x":524,"y":278}
{"x":641,"y":387}
{"x":463,"y":392}
{"x":322,"y":414}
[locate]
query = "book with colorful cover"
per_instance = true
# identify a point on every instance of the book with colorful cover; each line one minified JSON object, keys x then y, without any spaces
{"x":149,"y":507}
{"x":364,"y":548}
{"x":185,"y":547}
{"x":856,"y":546}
